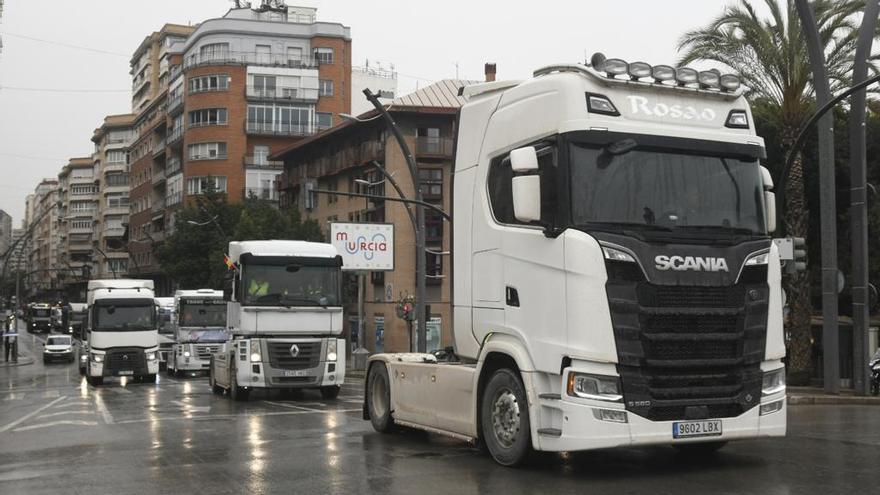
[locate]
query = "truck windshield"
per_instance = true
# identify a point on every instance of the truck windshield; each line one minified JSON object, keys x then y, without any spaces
{"x":40,"y":313}
{"x":128,"y":317}
{"x":203,"y":313}
{"x":665,"y":190}
{"x":165,"y":325}
{"x":290,"y":285}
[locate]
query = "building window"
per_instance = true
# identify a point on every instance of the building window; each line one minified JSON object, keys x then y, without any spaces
{"x":323,"y":120}
{"x":324,"y":56}
{"x":264,"y":85}
{"x":201,"y":185}
{"x":261,"y":155}
{"x":264,"y":54}
{"x":117,"y":201}
{"x":117,"y":266}
{"x":278,"y":119}
{"x":207,"y":151}
{"x":332,"y":185}
{"x":431,"y":180}
{"x":216,"y":82}
{"x":82,"y":206}
{"x":325,"y":87}
{"x":82,"y":190}
{"x":117,"y":157}
{"x":208,"y":116}
{"x":214,"y":51}
{"x":116,"y":180}
{"x":434,"y":267}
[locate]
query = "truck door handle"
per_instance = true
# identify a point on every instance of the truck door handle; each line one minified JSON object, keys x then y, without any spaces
{"x":512,"y":296}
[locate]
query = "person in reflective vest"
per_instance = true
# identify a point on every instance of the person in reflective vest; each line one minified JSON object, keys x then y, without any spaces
{"x":258,"y":288}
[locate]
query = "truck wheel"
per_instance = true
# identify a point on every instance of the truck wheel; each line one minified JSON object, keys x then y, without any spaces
{"x":151,"y":378}
{"x":699,"y":449}
{"x":95,"y":380}
{"x":237,"y":393}
{"x":217,"y":389}
{"x":330,"y":392}
{"x":504,"y":415}
{"x":379,"y":398}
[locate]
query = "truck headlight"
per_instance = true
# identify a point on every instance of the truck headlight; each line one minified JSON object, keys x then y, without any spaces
{"x":97,"y":358}
{"x":774,"y":382}
{"x":596,"y":387}
{"x":186,"y":354}
{"x":331,"y":350}
{"x":256,"y":357}
{"x":151,"y":356}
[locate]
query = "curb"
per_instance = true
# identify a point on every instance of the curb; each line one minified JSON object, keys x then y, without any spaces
{"x":21,"y":362}
{"x":828,"y":400}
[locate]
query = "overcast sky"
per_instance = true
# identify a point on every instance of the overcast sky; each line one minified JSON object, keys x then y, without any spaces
{"x":39,"y":130}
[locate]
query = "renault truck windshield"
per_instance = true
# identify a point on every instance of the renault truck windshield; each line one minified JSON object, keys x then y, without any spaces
{"x":111,"y":317}
{"x":203,"y":313}
{"x":290,"y":284}
{"x":665,"y":190}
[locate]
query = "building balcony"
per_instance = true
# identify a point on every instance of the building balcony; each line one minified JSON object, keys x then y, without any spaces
{"x":172,"y":166}
{"x":278,"y":129}
{"x":116,"y":188}
{"x":113,"y":231}
{"x":82,"y":180}
{"x":309,"y":95}
{"x":158,"y":176}
{"x":173,"y":199}
{"x":158,"y":207}
{"x":252,"y":161}
{"x":249,"y":58}
{"x":174,"y":136}
{"x":263,"y":193}
{"x":116,"y":210}
{"x":159,"y":148}
{"x":175,"y":103}
{"x":116,"y":167}
{"x":434,"y":147}
{"x":80,"y":230}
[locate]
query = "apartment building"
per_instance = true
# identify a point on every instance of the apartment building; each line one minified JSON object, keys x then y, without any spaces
{"x":112,"y":141}
{"x":43,"y":255}
{"x":238,"y":88}
{"x":78,"y":207}
{"x":5,"y":232}
{"x":19,"y":255}
{"x":339,"y":160}
{"x":151,"y":64}
{"x":377,"y":78}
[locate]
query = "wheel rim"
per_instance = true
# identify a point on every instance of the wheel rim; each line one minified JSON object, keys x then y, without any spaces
{"x":505,"y":418}
{"x":379,"y":390}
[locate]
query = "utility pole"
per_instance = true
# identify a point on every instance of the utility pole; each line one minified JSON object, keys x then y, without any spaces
{"x":859,"y":202}
{"x":828,"y":223}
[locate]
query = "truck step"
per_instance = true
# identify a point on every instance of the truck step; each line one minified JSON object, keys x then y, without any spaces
{"x":550,"y":396}
{"x":550,"y":432}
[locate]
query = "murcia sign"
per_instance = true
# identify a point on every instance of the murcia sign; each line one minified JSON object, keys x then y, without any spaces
{"x":364,"y":246}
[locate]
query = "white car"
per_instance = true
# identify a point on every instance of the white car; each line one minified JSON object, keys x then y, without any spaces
{"x":58,"y":348}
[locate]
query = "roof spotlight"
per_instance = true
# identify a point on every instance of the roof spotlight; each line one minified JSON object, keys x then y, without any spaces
{"x":615,"y":67}
{"x":597,"y":61}
{"x":685,"y":75}
{"x":709,"y":79}
{"x":729,"y":82}
{"x":638,"y":70}
{"x":662,"y":73}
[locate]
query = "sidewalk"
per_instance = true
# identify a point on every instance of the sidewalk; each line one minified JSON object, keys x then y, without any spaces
{"x":25,"y":351}
{"x":814,"y":396}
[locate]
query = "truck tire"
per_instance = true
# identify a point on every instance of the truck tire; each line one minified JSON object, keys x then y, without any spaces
{"x":217,"y":389}
{"x":237,"y":393}
{"x":95,"y":380}
{"x":151,"y":378}
{"x":504,"y":418}
{"x":379,"y":398}
{"x":330,"y":392}
{"x":699,"y":449}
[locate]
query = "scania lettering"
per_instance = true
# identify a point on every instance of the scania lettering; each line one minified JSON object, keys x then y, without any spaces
{"x":122,"y":334}
{"x":199,"y":330}
{"x":614,"y":280}
{"x":284,"y":316}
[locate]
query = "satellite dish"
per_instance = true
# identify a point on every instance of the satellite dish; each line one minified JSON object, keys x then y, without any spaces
{"x":597,"y":61}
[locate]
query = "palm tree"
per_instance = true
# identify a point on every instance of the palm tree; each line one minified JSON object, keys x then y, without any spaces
{"x":771,"y":57}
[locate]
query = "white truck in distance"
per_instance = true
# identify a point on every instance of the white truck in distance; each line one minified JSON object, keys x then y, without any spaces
{"x":165,"y":307}
{"x":284,"y":314}
{"x":199,"y":322}
{"x":614,"y":279}
{"x":122,"y":333}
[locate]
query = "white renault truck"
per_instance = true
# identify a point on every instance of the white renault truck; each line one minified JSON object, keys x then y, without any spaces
{"x":122,"y":333}
{"x":199,"y":329}
{"x":614,"y":279}
{"x":284,"y":315}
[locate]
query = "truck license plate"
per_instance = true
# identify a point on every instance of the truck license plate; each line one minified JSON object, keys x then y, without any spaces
{"x":125,"y":372}
{"x":691,"y":429}
{"x":296,"y":372}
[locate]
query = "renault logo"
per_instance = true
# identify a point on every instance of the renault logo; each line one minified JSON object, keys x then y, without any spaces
{"x":125,"y":357}
{"x":294,"y":350}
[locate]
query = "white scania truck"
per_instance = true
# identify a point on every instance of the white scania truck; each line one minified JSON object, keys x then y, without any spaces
{"x":199,"y":329}
{"x":284,"y":315}
{"x":614,"y":279}
{"x":122,"y":334}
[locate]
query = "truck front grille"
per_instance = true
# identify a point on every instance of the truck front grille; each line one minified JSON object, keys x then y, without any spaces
{"x":280,"y":355}
{"x":204,"y":351}
{"x":132,"y":359}
{"x":689,"y":352}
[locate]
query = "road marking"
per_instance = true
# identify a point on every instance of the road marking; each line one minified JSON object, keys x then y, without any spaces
{"x":232,"y":416}
{"x":55,"y":423}
{"x":30,"y":415}
{"x":191,"y":408}
{"x":102,"y":408}
{"x":291,"y":406}
{"x":63,"y":413}
{"x":119,"y":390}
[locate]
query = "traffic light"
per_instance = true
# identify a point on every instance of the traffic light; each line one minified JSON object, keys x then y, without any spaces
{"x":799,"y":255}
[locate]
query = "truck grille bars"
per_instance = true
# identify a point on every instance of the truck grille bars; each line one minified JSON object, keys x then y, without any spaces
{"x":689,"y":352}
{"x":126,"y":359}
{"x":307,"y":355}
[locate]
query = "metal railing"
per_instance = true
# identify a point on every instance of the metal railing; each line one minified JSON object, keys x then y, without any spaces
{"x":172,"y":166}
{"x":279,"y":129}
{"x":159,"y":147}
{"x":175,"y":102}
{"x":158,"y":206}
{"x":175,"y":135}
{"x":158,"y":176}
{"x":224,"y":57}
{"x":174,"y":198}
{"x":264,"y":193}
{"x":261,"y":161}
{"x":434,"y":146}
{"x":282,"y":93}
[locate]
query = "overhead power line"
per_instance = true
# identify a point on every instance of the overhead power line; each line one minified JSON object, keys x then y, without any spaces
{"x":66,"y":45}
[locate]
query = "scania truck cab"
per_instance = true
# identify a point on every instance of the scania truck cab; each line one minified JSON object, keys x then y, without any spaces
{"x":284,"y":315}
{"x":199,"y":330}
{"x":614,"y":279}
{"x":122,"y":332}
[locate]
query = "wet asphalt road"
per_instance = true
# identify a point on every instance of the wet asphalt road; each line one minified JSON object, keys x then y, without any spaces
{"x":58,"y":435}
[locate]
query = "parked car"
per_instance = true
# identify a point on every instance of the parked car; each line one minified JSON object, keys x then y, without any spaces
{"x":58,"y":348}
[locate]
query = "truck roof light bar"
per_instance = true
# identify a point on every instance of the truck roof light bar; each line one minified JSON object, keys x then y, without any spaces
{"x":638,"y":70}
{"x":685,"y":76}
{"x":662,"y":73}
{"x":729,"y":82}
{"x":615,"y":67}
{"x":709,"y":79}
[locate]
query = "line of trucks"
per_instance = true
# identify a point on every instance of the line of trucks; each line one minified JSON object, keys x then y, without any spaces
{"x":614,"y":280}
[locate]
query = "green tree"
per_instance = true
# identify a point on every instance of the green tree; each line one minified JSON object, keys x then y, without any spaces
{"x":770,"y":55}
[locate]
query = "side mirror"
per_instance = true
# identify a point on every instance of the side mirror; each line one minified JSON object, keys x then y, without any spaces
{"x":526,"y":188}
{"x":227,"y":288}
{"x":769,"y":200}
